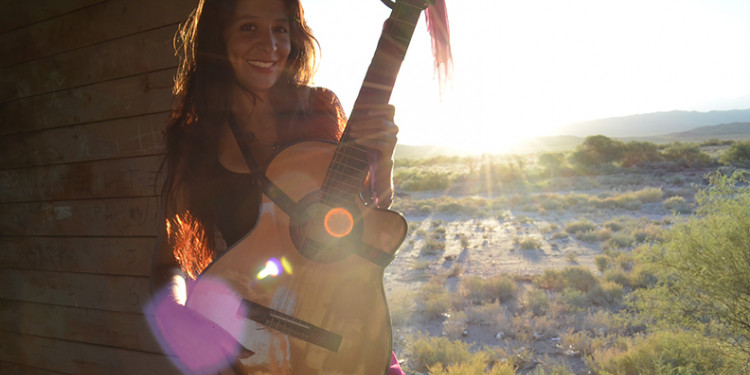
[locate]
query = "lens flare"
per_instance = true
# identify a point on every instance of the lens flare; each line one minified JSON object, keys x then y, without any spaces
{"x":338,"y":222}
{"x":286,"y":265}
{"x":272,"y":268}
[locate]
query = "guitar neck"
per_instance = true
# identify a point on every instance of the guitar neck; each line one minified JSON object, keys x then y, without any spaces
{"x":350,"y":162}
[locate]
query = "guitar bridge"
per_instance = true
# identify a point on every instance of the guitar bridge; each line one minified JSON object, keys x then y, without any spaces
{"x":289,"y":325}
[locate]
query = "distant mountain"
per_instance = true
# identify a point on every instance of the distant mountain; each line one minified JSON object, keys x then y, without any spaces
{"x":733,"y":131}
{"x":652,"y":124}
{"x":648,"y":126}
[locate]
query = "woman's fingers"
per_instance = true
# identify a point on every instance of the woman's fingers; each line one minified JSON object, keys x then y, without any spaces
{"x":376,"y":130}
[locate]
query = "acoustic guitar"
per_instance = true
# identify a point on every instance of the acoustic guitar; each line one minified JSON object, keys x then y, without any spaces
{"x":303,"y":291}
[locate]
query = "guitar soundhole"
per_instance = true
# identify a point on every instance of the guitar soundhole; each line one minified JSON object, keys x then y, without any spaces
{"x":325,"y":233}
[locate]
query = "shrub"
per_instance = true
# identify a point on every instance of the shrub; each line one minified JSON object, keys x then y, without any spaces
{"x":621,"y":240}
{"x":687,"y":155}
{"x":602,"y":262}
{"x":528,"y":243}
{"x":637,"y":153}
{"x":677,"y":204}
{"x":537,"y":301}
{"x":499,"y":287}
{"x":423,"y":180}
{"x":574,"y":299}
{"x":704,"y":263}
{"x":579,"y":278}
{"x":579,"y":226}
{"x":597,"y":150}
{"x":551,"y":280}
{"x":428,"y":351}
{"x":738,"y":155}
{"x":607,"y":293}
{"x":478,"y":365}
{"x":434,"y":298}
{"x":666,"y":352}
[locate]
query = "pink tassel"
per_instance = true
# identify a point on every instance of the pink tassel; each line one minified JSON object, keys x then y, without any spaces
{"x":437,"y":25}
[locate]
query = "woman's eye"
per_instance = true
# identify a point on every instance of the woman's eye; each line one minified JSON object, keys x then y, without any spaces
{"x":282,"y":29}
{"x":247,"y":27}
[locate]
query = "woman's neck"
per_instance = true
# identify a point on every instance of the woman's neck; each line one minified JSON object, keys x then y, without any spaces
{"x":255,"y":115}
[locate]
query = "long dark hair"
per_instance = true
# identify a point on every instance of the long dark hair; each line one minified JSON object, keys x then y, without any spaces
{"x":202,"y":104}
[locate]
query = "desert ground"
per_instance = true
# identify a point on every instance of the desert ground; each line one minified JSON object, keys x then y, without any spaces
{"x":481,"y":228}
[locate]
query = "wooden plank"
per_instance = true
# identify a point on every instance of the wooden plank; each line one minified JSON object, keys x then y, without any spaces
{"x":116,"y":329}
{"x":77,"y":358}
{"x":16,"y":369}
{"x":95,"y":218}
{"x":131,"y":55}
{"x":129,"y":256}
{"x":15,"y":14}
{"x":134,"y":136}
{"x":95,"y":24}
{"x":119,"y":178}
{"x":132,"y":96}
{"x":103,"y":292}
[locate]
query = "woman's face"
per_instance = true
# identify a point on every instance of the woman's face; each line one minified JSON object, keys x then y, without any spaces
{"x":258,"y":43}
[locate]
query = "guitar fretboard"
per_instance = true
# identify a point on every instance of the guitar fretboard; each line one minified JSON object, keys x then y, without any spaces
{"x":349,"y":167}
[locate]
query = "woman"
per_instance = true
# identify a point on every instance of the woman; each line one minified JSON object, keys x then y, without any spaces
{"x":247,"y":64}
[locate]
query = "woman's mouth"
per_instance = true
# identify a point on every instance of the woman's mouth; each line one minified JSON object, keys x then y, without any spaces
{"x":261,"y":64}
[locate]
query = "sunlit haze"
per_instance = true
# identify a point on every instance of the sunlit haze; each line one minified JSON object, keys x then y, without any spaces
{"x":524,"y":68}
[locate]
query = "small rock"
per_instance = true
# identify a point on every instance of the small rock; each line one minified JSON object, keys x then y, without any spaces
{"x":465,"y":333}
{"x":500,"y":335}
{"x":449,"y":257}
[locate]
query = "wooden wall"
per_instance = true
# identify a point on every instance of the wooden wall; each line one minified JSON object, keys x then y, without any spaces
{"x":84,"y":93}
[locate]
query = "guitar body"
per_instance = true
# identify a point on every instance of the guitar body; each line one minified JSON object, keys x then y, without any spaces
{"x":304,"y":289}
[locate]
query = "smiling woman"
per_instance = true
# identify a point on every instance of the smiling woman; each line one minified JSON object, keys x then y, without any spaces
{"x":250,"y":275}
{"x":257,"y":43}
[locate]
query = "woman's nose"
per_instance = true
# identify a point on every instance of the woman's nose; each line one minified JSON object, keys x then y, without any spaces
{"x":269,"y":42}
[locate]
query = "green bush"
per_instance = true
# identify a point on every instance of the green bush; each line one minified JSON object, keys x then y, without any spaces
{"x":427,"y":351}
{"x":579,"y":278}
{"x":579,"y":227}
{"x":687,"y":155}
{"x":738,"y":155}
{"x":423,"y":180}
{"x":478,"y":365}
{"x":498,"y":287}
{"x":637,"y":153}
{"x":597,"y":150}
{"x":677,"y":204}
{"x":666,"y":353}
{"x":703,"y":266}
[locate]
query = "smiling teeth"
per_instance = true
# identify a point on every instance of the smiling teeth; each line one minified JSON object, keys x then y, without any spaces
{"x":260,"y":64}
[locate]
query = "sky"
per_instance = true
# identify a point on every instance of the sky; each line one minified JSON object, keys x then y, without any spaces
{"x":524,"y":68}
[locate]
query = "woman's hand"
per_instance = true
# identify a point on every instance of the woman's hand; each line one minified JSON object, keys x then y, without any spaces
{"x":376,"y":131}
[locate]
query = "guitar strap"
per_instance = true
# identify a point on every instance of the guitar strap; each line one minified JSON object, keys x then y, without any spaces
{"x":272,"y":191}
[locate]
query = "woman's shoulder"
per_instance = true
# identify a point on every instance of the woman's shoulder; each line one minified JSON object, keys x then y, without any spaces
{"x":319,"y":96}
{"x":325,"y":117}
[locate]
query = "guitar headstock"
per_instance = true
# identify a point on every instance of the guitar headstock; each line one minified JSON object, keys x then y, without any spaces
{"x":422,"y":4}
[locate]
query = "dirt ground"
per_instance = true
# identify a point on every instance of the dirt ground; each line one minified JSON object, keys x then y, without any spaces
{"x":486,"y":246}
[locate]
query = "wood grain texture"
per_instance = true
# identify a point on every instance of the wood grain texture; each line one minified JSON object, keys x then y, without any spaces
{"x":131,"y":55}
{"x":100,"y":292}
{"x":119,"y":178}
{"x":91,"y":25}
{"x":118,"y":138}
{"x":126,"y":256}
{"x":85,"y":218}
{"x":132,"y":96}
{"x":79,"y":358}
{"x":106,"y":328}
{"x":16,"y":14}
